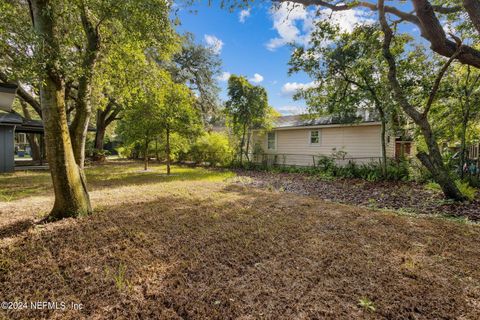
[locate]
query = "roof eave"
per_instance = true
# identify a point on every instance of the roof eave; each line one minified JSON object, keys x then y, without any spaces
{"x":320,"y":126}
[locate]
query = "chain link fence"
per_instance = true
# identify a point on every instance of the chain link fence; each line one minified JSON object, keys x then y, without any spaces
{"x":306,"y":160}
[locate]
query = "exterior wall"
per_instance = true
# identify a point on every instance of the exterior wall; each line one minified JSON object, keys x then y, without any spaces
{"x":361,"y":142}
{"x":391,"y":146}
{"x":7,"y":149}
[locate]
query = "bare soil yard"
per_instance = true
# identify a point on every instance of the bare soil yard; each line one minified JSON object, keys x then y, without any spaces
{"x":207,"y":245}
{"x":402,"y":196}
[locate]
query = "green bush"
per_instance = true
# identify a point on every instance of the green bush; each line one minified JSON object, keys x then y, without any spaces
{"x":418,"y":172}
{"x":327,"y":165}
{"x":372,"y":171}
{"x":213,"y":148}
{"x":327,"y":168}
{"x":125,"y":151}
{"x":99,"y":155}
{"x":179,"y":147}
{"x":468,"y":191}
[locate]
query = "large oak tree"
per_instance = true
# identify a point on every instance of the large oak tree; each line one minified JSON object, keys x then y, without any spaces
{"x":427,"y":16}
{"x":55,"y":47}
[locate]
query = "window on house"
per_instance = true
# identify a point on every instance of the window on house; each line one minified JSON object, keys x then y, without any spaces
{"x":21,"y":138}
{"x":271,"y":137}
{"x":314,"y":137}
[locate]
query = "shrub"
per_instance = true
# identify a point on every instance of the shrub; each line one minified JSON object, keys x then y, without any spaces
{"x":213,"y":148}
{"x":99,"y":155}
{"x":418,"y":172}
{"x":468,"y":191}
{"x":125,"y":151}
{"x":257,"y":151}
{"x":372,"y":171}
{"x":398,"y":170}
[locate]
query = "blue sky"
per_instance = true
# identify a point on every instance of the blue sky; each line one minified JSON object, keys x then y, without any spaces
{"x":244,"y":49}
{"x":254,"y":44}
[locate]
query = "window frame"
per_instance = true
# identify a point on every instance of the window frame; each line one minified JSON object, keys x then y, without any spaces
{"x":310,"y":137}
{"x":274,"y":141}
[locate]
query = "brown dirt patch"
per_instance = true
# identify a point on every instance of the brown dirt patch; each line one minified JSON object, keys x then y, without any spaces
{"x":223,"y":250}
{"x":405,"y":196}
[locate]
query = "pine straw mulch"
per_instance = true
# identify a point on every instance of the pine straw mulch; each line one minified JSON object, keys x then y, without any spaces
{"x":405,"y":196}
{"x":228,"y":251}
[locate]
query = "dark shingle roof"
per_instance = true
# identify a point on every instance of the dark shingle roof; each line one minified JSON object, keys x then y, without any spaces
{"x":10,"y":118}
{"x":308,"y":121}
{"x":24,"y":125}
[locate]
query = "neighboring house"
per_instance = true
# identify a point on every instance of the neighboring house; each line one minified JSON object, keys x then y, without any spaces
{"x":299,"y":140}
{"x":474,"y":152}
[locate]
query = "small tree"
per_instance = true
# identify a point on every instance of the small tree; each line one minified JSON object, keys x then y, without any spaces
{"x":178,"y":115}
{"x":350,"y":73}
{"x":140,"y":125}
{"x":246,"y":109}
{"x":432,"y":158}
{"x":458,"y":110}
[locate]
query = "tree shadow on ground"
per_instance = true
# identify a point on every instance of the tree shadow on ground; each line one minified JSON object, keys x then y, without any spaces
{"x":240,"y":252}
{"x":15,"y":228}
{"x":25,"y":184}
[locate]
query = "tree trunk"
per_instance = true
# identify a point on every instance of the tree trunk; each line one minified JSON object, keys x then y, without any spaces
{"x":248,"y":146}
{"x":383,"y":119}
{"x":34,"y":145}
{"x":145,"y":155}
{"x":384,"y":142}
{"x":71,"y":195}
{"x":242,"y":143}
{"x":83,"y":108}
{"x":101,"y":127}
{"x":167,"y":150}
{"x":104,"y":119}
{"x":463,"y":148}
{"x":433,"y":160}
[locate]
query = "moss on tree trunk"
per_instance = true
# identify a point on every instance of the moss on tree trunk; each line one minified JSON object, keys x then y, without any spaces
{"x":69,"y":184}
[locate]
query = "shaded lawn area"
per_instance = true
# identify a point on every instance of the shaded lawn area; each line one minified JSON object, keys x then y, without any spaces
{"x":22,"y":184}
{"x":214,"y":247}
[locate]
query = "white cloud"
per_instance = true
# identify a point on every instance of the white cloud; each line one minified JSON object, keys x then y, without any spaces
{"x":294,"y":23}
{"x":214,"y":43}
{"x":290,"y":88}
{"x":291,"y":110}
{"x":224,"y":76}
{"x":257,"y":78}
{"x":243,"y":15}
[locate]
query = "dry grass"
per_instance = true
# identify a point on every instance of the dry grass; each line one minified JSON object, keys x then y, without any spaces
{"x":200,"y":245}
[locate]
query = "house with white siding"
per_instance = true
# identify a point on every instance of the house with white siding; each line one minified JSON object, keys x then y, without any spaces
{"x":299,"y":140}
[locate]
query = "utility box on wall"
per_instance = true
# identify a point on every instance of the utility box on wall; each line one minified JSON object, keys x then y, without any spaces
{"x":7,"y":148}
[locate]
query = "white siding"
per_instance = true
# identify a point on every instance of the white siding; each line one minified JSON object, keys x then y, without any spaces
{"x":359,"y":141}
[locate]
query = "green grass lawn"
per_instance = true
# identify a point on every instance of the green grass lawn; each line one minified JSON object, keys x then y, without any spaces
{"x":23,"y":184}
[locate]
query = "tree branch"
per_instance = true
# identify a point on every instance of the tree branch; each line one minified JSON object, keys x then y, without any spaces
{"x":432,"y":30}
{"x":392,"y":67}
{"x":23,"y":94}
{"x":425,"y":18}
{"x":357,"y":4}
{"x":473,"y":9}
{"x":438,"y":80}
